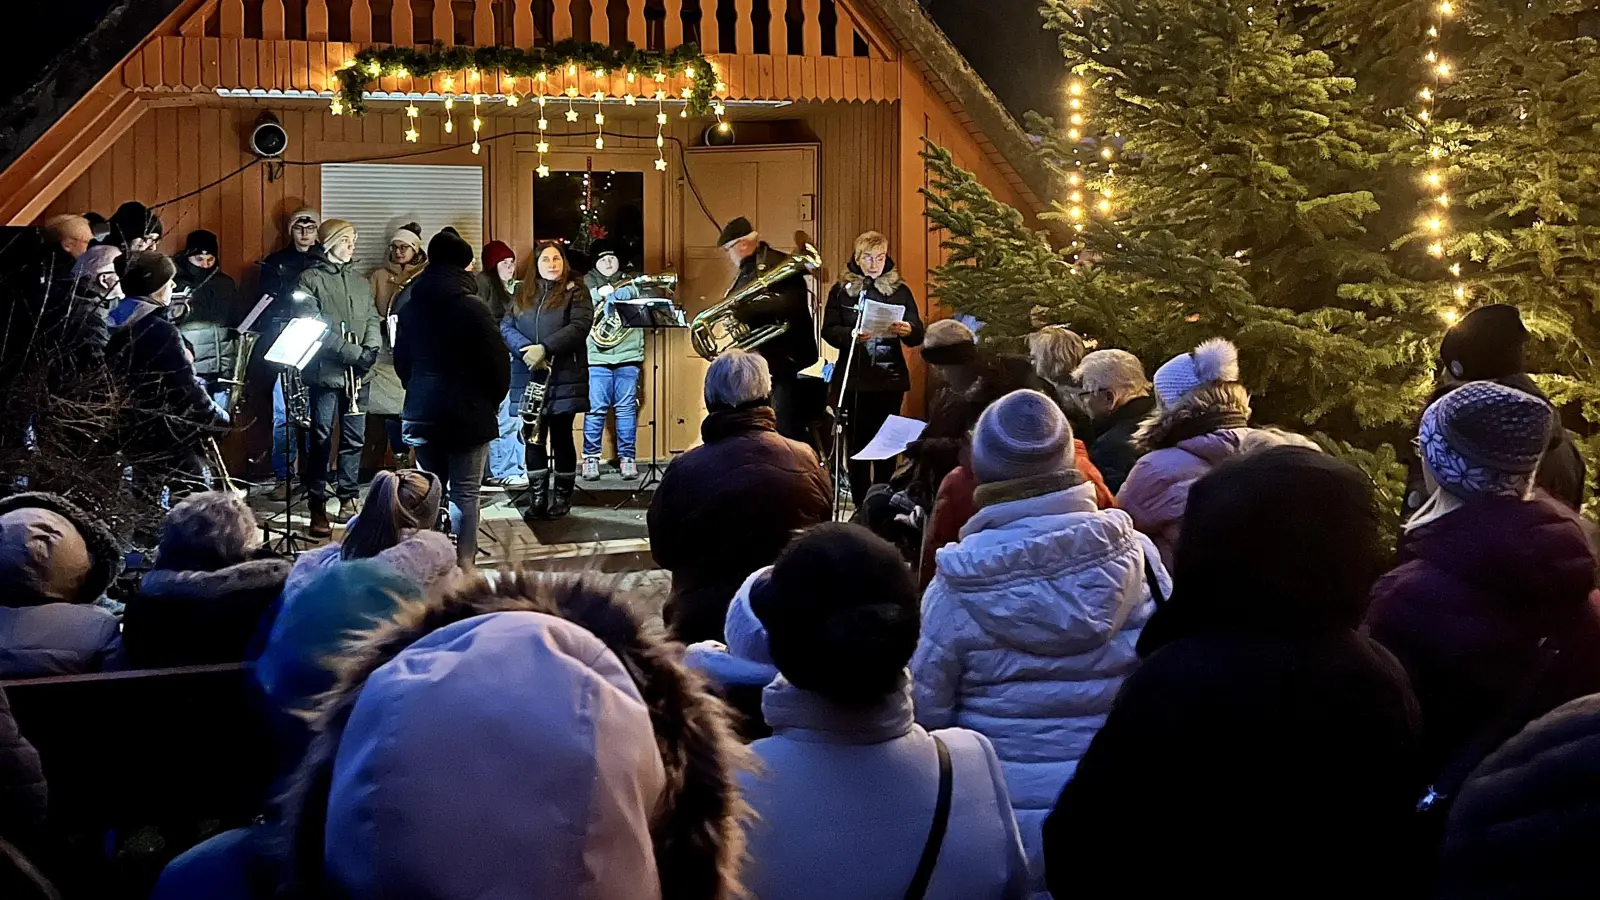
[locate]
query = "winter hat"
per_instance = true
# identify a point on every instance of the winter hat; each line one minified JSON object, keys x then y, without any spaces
{"x":734,"y":230}
{"x":145,"y":272}
{"x":206,"y":532}
{"x":601,"y":248}
{"x":448,"y":249}
{"x":519,"y":728}
{"x":496,"y":252}
{"x":95,"y":260}
{"x":746,"y":637}
{"x":1023,"y":433}
{"x":201,"y":242}
{"x":1485,"y":438}
{"x":410,"y":235}
{"x":303,"y":215}
{"x":1485,"y":345}
{"x":745,"y":659}
{"x":27,"y":552}
{"x":333,"y":229}
{"x":949,"y":343}
{"x":133,"y":220}
{"x":1214,"y":361}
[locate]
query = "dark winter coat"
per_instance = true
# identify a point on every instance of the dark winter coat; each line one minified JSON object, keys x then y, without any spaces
{"x":342,"y":298}
{"x":725,"y":509}
{"x":787,"y":301}
{"x":23,"y":797}
{"x":880,"y":363}
{"x":280,"y":278}
{"x":562,"y":326}
{"x":168,"y":406}
{"x":1465,"y":609}
{"x":452,"y":361}
{"x":1112,"y":448}
{"x":1523,"y":825}
{"x":192,"y":618}
{"x":213,"y":314}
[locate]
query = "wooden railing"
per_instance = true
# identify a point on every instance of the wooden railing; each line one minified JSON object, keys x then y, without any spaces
{"x":817,"y":28}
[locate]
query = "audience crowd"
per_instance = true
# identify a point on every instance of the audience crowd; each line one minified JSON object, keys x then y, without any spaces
{"x":1097,"y":633}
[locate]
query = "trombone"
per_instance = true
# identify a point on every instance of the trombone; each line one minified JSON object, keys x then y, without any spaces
{"x":352,"y":379}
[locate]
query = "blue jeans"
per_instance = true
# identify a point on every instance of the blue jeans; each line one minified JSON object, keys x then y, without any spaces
{"x":462,"y":474}
{"x":612,"y":388}
{"x":330,"y":405}
{"x":283,"y":452}
{"x":505,"y":451}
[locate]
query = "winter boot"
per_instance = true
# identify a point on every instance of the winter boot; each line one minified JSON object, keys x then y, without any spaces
{"x":320,"y":529}
{"x":349,"y":508}
{"x":591,"y":468}
{"x":561,"y":494}
{"x":538,"y":495}
{"x":628,"y":468}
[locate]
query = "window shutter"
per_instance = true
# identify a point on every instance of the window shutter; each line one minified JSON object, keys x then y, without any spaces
{"x":379,"y":198}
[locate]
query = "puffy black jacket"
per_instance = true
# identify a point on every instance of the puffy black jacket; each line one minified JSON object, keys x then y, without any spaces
{"x":452,"y":361}
{"x":167,"y":406}
{"x":788,"y":301}
{"x":562,"y":326}
{"x":212,"y":316}
{"x":880,"y":363}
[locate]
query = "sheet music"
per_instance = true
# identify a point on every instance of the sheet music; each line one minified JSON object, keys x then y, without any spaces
{"x":892,"y":439}
{"x":261,"y":307}
{"x":877,"y":317}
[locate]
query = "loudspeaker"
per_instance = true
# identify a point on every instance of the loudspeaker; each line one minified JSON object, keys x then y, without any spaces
{"x":268,"y":139}
{"x":719,"y":134}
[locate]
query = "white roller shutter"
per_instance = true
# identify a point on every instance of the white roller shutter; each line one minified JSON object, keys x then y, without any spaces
{"x":379,"y":198}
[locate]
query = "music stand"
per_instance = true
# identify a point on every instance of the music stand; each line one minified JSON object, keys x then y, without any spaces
{"x":294,"y":348}
{"x":654,"y":315}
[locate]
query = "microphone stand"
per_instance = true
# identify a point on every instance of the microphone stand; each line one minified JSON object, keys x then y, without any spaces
{"x":840,"y":467}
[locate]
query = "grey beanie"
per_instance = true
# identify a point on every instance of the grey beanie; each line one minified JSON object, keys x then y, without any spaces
{"x":1023,"y":433}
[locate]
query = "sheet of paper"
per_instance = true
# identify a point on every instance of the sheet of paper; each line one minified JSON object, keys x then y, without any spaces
{"x":394,"y":330}
{"x":298,"y":343}
{"x":877,"y":317}
{"x":261,"y":306}
{"x":893,"y":438}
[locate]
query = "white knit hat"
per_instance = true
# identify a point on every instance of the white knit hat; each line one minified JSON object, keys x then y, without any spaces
{"x":1023,"y":433}
{"x":403,"y":235}
{"x":1213,"y":362}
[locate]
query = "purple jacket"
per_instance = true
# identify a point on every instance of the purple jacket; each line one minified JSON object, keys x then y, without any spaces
{"x":1472,"y":596}
{"x":1157,"y":490}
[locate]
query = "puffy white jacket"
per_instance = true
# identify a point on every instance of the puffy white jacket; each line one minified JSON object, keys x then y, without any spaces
{"x":1028,"y":631}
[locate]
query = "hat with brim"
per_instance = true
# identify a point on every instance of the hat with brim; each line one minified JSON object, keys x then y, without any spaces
{"x":735,"y":230}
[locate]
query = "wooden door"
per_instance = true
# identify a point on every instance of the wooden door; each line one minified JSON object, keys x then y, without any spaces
{"x":776,"y":188}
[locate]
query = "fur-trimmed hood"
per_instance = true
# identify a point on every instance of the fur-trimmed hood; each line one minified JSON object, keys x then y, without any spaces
{"x":1208,"y":408}
{"x":855,"y":281}
{"x":251,"y":576}
{"x":424,"y":557}
{"x":697,"y":821}
{"x":105,"y":554}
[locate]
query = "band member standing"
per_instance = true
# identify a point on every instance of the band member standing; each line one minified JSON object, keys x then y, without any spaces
{"x":342,"y":299}
{"x":406,"y":259}
{"x":280,"y":275}
{"x":613,"y":373}
{"x":547,"y":329}
{"x":497,"y":284}
{"x":210,"y":313}
{"x":878,"y":375}
{"x":789,"y":302}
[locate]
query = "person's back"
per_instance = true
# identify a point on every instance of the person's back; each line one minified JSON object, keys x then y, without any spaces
{"x":56,"y":561}
{"x":847,"y":792}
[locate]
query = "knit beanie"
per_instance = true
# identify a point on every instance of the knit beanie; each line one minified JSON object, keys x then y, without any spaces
{"x":949,"y":343}
{"x":448,"y":249}
{"x":1484,"y":345}
{"x":408,"y":235}
{"x":1485,"y":439}
{"x":496,"y":252}
{"x":333,"y":229}
{"x":744,"y":634}
{"x":146,"y":272}
{"x":1214,"y":362}
{"x":133,"y":220}
{"x":201,"y":242}
{"x":303,"y":215}
{"x":1023,"y":433}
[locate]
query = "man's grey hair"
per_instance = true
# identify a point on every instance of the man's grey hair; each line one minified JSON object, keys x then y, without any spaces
{"x":206,"y":532}
{"x":737,"y":377}
{"x":1116,"y":371}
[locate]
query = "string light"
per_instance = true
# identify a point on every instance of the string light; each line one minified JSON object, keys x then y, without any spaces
{"x":1435,"y":221}
{"x":661,"y":122}
{"x":336,"y":107}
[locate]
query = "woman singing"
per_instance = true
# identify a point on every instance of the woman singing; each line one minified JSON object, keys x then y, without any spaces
{"x":878,"y":375}
{"x":547,"y":329}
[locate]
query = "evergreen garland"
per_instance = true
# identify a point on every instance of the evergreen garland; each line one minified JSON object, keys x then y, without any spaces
{"x":515,"y":62}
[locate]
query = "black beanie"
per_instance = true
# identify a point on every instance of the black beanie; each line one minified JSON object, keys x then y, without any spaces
{"x":201,"y":242}
{"x":146,"y":272}
{"x":1485,"y":345}
{"x":449,"y":249}
{"x":133,"y":220}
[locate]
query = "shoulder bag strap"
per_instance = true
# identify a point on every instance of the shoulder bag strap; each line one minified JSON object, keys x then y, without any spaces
{"x":1154,"y":582}
{"x":941,"y":821}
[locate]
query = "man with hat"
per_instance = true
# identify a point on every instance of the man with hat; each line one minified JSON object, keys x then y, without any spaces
{"x":169,"y":411}
{"x":335,"y":291}
{"x":209,"y":312}
{"x":280,"y":274}
{"x":789,"y":302}
{"x":613,"y":371}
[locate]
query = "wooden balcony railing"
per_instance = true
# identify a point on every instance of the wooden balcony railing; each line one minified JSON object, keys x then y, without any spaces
{"x":817,"y":28}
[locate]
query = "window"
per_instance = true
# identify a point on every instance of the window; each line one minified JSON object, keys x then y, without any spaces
{"x":379,"y":198}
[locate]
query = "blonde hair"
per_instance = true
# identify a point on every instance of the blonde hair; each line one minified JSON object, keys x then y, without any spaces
{"x":398,"y":504}
{"x":1056,"y":351}
{"x":869,"y":240}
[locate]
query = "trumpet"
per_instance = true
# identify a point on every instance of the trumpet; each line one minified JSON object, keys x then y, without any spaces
{"x":533,"y":407}
{"x":718,"y":328}
{"x":352,"y":378}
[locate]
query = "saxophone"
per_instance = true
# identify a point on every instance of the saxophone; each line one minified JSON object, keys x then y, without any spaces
{"x":717,"y":329}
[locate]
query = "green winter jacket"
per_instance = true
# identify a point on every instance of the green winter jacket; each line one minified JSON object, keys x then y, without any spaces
{"x":343,"y":299}
{"x":631,"y":350}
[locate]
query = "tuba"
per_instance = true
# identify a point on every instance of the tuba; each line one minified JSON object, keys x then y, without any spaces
{"x":610,"y":330}
{"x":242,"y":351}
{"x":717,"y":329}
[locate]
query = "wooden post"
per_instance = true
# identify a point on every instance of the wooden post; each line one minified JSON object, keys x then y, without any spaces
{"x":272,"y":20}
{"x":811,"y":28}
{"x":636,"y":25}
{"x":599,"y":23}
{"x":444,"y":22}
{"x":316,"y":20}
{"x":744,"y":30}
{"x":672,"y":28}
{"x":360,"y":21}
{"x":710,"y":31}
{"x":400,"y":24}
{"x":844,"y":33}
{"x":778,"y":27}
{"x":232,"y":24}
{"x":483,"y":24}
{"x":561,"y":20}
{"x":522,"y":23}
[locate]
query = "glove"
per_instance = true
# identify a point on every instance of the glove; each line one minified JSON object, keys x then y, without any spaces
{"x":349,"y":354}
{"x":534,"y":356}
{"x":366,"y":360}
